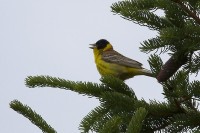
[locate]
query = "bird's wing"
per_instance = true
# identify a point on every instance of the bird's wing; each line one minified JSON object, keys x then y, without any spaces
{"x":117,"y":58}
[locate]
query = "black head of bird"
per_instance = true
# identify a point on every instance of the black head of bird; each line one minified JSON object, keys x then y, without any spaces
{"x":100,"y":44}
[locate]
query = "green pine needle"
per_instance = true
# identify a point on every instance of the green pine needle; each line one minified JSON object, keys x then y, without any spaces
{"x":136,"y":123}
{"x":184,"y":122}
{"x":117,"y":102}
{"x":35,"y":118}
{"x":118,"y":85}
{"x":90,"y":89}
{"x":154,"y":44}
{"x":155,"y":63}
{"x":140,"y":12}
{"x":94,"y":120}
{"x":112,"y":125}
{"x":194,"y":89}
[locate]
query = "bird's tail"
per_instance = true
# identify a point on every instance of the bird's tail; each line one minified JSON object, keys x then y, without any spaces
{"x":147,"y":72}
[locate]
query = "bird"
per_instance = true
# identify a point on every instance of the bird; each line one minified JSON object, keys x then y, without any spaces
{"x":110,"y":62}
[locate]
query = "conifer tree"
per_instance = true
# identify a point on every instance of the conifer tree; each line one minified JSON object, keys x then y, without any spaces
{"x":120,"y":110}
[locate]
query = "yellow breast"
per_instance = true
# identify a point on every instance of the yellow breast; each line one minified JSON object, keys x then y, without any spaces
{"x":116,"y":70}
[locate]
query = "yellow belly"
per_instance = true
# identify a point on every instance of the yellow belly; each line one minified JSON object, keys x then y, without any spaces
{"x":119,"y":71}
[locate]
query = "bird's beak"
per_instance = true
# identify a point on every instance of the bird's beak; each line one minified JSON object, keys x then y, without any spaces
{"x":92,"y":46}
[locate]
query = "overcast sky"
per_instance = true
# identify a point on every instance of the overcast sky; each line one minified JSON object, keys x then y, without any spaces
{"x":51,"y":37}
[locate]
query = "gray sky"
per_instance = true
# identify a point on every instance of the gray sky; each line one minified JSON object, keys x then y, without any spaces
{"x":51,"y":37}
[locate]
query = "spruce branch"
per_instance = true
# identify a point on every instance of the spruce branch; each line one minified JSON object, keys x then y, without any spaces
{"x":95,"y":119}
{"x":179,"y":92}
{"x":136,"y":123}
{"x":194,"y":88}
{"x":155,"y":124}
{"x":157,"y":109}
{"x":141,"y":12}
{"x":174,"y":63}
{"x":90,"y":89}
{"x":193,"y":65}
{"x":153,"y":44}
{"x":118,"y":85}
{"x":112,"y":125}
{"x":155,"y":63}
{"x":186,"y":121}
{"x":170,"y":67}
{"x":35,"y":118}
{"x":188,"y":11}
{"x":123,"y":103}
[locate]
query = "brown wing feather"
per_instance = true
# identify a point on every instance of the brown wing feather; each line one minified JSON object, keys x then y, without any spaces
{"x":116,"y":58}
